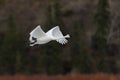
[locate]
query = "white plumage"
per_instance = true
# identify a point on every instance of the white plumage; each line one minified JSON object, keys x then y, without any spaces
{"x":38,"y":36}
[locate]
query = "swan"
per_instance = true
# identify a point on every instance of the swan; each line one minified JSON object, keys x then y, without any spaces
{"x":38,"y":36}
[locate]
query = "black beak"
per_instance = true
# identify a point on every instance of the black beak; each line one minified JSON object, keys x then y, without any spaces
{"x":34,"y":39}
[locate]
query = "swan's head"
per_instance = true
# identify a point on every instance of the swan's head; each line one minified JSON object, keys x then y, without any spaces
{"x":33,"y":42}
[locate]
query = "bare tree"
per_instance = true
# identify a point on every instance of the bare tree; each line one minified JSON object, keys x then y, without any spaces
{"x":114,"y":33}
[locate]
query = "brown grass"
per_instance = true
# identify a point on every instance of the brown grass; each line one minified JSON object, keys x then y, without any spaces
{"x":100,"y":76}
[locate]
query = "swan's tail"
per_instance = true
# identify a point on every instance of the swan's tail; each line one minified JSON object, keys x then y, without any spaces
{"x":67,"y":36}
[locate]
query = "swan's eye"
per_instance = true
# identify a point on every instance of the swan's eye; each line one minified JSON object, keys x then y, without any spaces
{"x":35,"y":39}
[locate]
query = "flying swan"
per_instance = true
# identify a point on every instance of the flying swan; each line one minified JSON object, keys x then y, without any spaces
{"x":38,"y":36}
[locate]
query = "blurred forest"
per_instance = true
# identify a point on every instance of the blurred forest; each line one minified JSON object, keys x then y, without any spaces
{"x":94,"y":27}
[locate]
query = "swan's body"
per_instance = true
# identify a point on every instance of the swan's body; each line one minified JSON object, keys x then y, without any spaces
{"x":38,"y":36}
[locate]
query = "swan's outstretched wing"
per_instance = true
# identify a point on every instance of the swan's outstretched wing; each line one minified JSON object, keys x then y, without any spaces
{"x":58,"y":35}
{"x":56,"y":32}
{"x":36,"y":33}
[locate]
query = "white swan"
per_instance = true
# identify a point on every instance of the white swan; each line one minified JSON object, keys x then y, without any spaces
{"x":38,"y":36}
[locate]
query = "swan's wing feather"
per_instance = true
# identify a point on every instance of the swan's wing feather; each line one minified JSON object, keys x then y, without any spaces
{"x":62,"y":41}
{"x":37,"y":32}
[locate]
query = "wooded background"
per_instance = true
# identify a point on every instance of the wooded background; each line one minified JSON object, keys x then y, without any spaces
{"x":94,"y":27}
